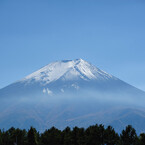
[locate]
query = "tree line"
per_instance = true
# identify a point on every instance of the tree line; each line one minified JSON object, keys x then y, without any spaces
{"x":93,"y":135}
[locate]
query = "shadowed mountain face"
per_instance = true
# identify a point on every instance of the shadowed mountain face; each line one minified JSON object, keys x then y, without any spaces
{"x":71,"y":93}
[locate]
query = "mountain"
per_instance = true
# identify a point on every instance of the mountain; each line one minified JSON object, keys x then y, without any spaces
{"x":71,"y":93}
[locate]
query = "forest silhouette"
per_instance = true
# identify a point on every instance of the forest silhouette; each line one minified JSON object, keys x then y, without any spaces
{"x":93,"y":135}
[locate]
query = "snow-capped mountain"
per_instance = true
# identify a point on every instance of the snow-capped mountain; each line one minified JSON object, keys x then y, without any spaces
{"x":68,"y":75}
{"x":69,"y":93}
{"x":68,"y":70}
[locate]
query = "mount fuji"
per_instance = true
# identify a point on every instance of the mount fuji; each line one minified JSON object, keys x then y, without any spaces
{"x":71,"y":93}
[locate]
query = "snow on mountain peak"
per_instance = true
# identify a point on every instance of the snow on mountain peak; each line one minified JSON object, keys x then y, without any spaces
{"x":67,"y":70}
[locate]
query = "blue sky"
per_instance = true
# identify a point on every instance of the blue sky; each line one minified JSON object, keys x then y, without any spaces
{"x":108,"y":33}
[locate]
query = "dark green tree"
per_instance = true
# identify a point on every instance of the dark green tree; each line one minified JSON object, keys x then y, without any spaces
{"x":94,"y":135}
{"x":32,"y":136}
{"x":5,"y":138}
{"x":21,"y":136}
{"x":51,"y":136}
{"x":1,"y":138}
{"x":77,"y":136}
{"x":129,"y":136}
{"x":111,"y":137}
{"x":67,"y":139}
{"x":142,"y":139}
{"x":12,"y":135}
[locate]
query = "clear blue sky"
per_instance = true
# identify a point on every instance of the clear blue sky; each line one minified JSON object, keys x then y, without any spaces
{"x":108,"y":33}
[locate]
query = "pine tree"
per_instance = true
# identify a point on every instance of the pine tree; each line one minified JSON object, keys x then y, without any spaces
{"x":67,"y":139}
{"x":129,"y":136}
{"x":142,"y":138}
{"x":32,"y":136}
{"x":1,"y":138}
{"x":111,"y":137}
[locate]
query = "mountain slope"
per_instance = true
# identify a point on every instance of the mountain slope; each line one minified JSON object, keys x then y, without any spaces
{"x":70,"y":92}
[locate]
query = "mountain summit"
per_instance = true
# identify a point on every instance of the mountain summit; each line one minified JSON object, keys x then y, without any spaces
{"x":68,"y":70}
{"x":70,"y":93}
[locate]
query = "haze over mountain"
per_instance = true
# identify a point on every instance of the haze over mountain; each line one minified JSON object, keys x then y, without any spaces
{"x":71,"y":93}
